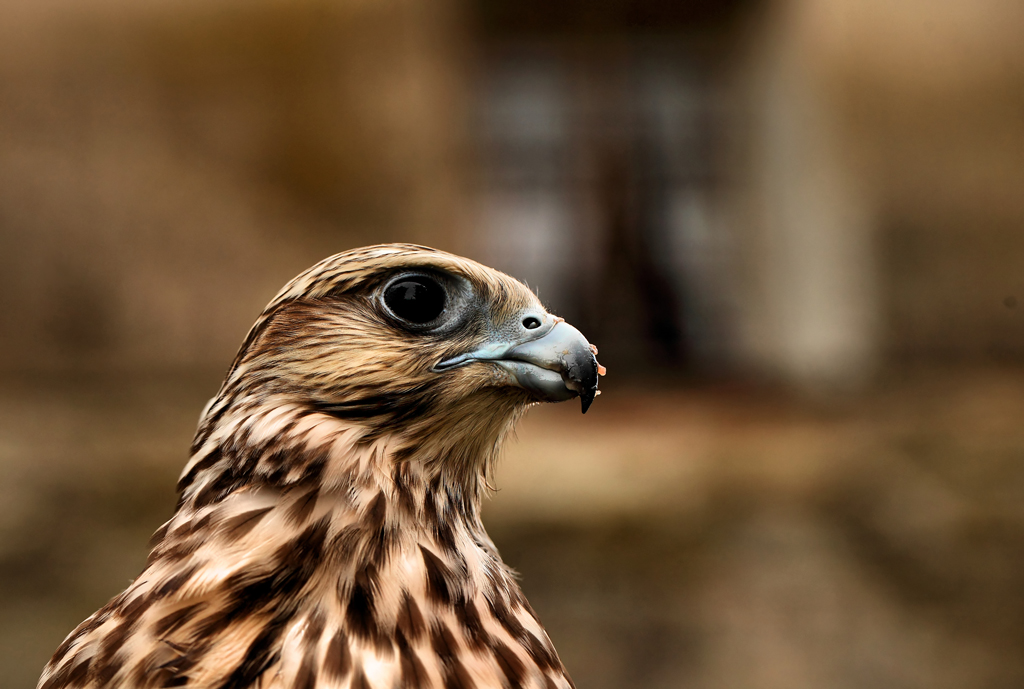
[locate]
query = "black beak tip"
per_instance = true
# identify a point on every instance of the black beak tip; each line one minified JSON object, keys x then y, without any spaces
{"x":588,"y":380}
{"x":587,"y":398}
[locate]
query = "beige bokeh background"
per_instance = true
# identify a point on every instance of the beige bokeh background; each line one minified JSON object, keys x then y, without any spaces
{"x":807,"y":468}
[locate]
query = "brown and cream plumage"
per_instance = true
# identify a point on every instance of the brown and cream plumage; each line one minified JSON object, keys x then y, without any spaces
{"x":328,"y":527}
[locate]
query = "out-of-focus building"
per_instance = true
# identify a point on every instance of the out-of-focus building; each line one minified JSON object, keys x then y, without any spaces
{"x":808,"y":190}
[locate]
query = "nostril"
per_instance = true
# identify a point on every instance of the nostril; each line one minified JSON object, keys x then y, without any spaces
{"x":531,"y":322}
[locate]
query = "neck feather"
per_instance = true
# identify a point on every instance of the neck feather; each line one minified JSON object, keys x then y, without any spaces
{"x":305,"y":544}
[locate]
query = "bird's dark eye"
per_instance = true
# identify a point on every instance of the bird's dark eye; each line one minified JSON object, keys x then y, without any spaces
{"x":417,"y":299}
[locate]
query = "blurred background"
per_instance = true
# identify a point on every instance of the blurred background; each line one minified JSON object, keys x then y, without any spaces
{"x":795,"y":228}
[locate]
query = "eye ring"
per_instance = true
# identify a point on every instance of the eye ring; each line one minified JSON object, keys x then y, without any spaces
{"x":417,"y":299}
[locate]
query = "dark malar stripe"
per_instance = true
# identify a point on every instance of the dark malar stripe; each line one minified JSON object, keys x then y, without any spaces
{"x":397,"y":407}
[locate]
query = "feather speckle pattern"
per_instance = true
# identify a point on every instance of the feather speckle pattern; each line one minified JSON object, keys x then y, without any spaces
{"x":328,"y":531}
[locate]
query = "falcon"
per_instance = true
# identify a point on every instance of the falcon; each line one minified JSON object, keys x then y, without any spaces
{"x":327,"y":532}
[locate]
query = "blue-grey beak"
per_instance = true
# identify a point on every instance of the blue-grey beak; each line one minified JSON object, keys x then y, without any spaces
{"x":547,"y":357}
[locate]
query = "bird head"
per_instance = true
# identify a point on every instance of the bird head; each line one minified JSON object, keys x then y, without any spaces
{"x":436,"y":352}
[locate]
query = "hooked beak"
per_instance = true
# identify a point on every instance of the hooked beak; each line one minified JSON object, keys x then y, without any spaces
{"x":554,"y":362}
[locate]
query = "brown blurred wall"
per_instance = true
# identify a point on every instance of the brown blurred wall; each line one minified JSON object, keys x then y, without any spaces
{"x":166,"y":167}
{"x":933,"y":95}
{"x":884,"y":221}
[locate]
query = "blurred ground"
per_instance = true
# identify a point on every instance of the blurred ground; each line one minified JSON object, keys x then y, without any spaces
{"x":716,"y":537}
